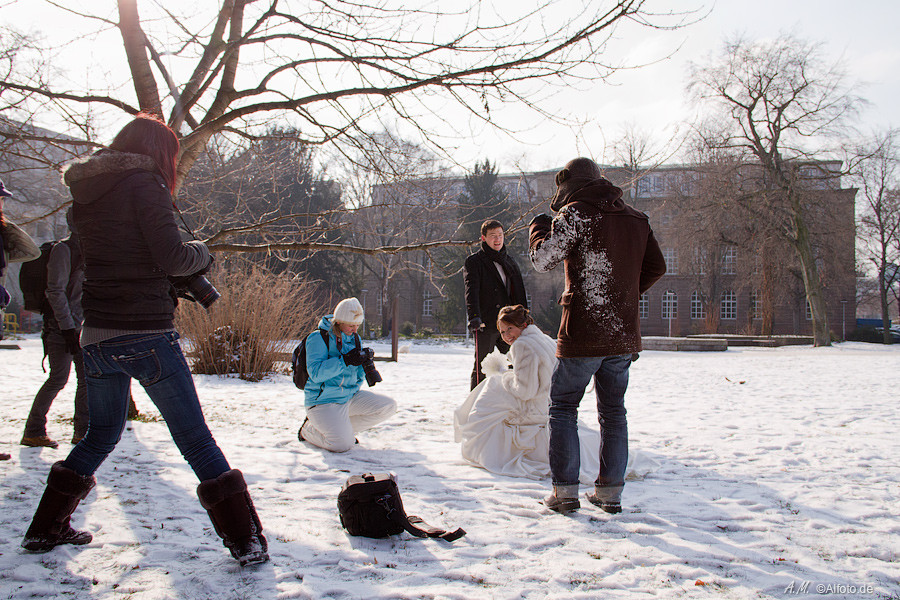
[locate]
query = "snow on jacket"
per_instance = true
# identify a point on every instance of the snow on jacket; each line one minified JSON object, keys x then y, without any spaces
{"x":65,"y":277}
{"x":126,"y":220}
{"x":611,"y":258}
{"x":330,"y":379}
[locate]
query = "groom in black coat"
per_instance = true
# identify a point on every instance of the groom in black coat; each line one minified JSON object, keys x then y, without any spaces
{"x":493,"y":280}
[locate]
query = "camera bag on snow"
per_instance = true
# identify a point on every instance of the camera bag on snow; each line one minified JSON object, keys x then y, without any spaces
{"x":370,"y":506}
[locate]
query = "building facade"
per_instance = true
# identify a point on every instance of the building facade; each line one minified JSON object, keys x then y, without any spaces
{"x":725,"y":235}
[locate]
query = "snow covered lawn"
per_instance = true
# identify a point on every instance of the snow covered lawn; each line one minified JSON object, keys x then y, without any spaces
{"x":769,"y":473}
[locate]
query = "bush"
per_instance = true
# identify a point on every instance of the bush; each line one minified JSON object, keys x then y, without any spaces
{"x":251,"y":327}
{"x":425,"y":332}
{"x":407,"y":328}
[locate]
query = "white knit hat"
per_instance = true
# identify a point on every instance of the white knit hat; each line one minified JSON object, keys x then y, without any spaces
{"x":349,"y":311}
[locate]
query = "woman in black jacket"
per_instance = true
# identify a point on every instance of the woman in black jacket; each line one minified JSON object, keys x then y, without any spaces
{"x":124,"y":213}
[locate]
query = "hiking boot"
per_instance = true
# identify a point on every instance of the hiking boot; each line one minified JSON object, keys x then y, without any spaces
{"x":39,"y":441}
{"x":5,"y":456}
{"x":564,"y":499}
{"x":609,"y":499}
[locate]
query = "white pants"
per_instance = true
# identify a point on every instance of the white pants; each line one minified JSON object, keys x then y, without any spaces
{"x":334,"y":426}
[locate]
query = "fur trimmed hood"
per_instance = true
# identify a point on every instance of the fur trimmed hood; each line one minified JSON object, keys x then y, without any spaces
{"x":94,"y":176}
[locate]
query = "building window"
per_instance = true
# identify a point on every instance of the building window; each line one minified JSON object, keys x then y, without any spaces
{"x":380,"y":302}
{"x":528,"y":300}
{"x":728,"y":310}
{"x":699,"y":261}
{"x":427,"y":304}
{"x":755,"y":306}
{"x":697,"y":309}
{"x":808,"y":311}
{"x":669,"y":305}
{"x":671,"y":257}
{"x":644,"y":306}
{"x":643,"y":187}
{"x":729,"y":261}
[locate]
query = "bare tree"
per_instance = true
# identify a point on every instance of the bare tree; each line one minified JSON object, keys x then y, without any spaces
{"x":783,"y":103}
{"x":878,"y":176}
{"x":334,"y":70}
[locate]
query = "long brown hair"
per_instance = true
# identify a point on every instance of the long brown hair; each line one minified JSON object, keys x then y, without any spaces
{"x":147,"y":135}
{"x":516,"y":315}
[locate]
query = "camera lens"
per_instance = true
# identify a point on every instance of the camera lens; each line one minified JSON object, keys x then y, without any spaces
{"x":372,"y":374}
{"x":203,"y":291}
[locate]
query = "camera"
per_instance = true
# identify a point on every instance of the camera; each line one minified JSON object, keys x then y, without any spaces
{"x":196,"y":287}
{"x":368,"y":365}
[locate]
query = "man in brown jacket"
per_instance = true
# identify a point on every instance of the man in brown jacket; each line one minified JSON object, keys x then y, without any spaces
{"x":611,"y":258}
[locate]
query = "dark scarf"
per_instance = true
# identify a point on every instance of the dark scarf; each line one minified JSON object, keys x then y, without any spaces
{"x":498,"y":256}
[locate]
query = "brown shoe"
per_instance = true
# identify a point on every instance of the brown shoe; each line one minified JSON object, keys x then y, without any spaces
{"x":5,"y":456}
{"x":77,"y":438}
{"x":39,"y":441}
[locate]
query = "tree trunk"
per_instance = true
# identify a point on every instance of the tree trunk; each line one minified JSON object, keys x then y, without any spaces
{"x":885,"y":308}
{"x":811,"y":282}
{"x":768,"y":297}
{"x":136,"y":52}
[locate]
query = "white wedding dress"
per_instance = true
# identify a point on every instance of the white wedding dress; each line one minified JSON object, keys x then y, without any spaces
{"x":503,"y":424}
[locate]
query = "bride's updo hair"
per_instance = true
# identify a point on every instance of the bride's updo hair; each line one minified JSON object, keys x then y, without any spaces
{"x":516,"y":315}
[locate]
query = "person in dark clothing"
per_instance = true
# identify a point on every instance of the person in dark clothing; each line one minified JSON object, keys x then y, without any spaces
{"x":62,"y":322}
{"x":493,"y":280}
{"x":611,"y":257}
{"x":125,"y":218}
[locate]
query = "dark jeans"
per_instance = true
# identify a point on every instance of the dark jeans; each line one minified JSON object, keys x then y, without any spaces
{"x":485,"y":342}
{"x":570,"y":378}
{"x":60,"y":367}
{"x":156,"y":361}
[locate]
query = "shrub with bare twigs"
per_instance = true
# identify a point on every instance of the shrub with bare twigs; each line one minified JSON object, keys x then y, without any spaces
{"x":252,"y":326}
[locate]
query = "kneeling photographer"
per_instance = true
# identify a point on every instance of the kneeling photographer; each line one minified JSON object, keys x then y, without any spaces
{"x":336,"y":408}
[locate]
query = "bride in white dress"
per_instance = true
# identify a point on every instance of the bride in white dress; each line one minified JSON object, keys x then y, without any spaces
{"x":503,"y":424}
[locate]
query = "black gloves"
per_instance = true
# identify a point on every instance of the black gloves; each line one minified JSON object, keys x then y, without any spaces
{"x":542,"y":220}
{"x":73,"y":345}
{"x":357,"y":356}
{"x":4,"y":296}
{"x":475,"y":325}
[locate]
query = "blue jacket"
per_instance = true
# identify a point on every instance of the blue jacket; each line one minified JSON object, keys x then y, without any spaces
{"x":330,"y":380}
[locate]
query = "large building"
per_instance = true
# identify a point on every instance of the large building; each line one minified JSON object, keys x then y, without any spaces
{"x":723,"y":231}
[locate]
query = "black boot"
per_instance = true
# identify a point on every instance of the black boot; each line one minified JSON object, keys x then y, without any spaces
{"x":231,"y":511}
{"x":50,"y":525}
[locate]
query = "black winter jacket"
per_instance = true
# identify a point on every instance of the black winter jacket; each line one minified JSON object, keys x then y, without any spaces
{"x":485,"y":292}
{"x":130,"y":241}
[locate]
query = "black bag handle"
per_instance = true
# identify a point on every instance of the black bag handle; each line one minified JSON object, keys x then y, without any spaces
{"x":409,"y":524}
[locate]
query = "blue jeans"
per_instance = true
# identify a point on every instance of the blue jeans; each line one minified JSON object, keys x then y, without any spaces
{"x":570,"y":378}
{"x":156,"y":361}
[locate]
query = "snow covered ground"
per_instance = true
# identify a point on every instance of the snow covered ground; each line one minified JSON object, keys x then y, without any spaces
{"x":770,"y":473}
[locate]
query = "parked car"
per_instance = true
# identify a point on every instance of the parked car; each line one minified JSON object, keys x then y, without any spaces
{"x":894,"y":332}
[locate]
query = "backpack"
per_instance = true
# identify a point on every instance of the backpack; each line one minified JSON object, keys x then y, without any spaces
{"x":33,"y":280}
{"x":370,"y":506}
{"x":298,"y":359}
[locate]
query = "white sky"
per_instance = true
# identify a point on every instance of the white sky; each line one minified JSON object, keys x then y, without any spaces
{"x":653,"y":97}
